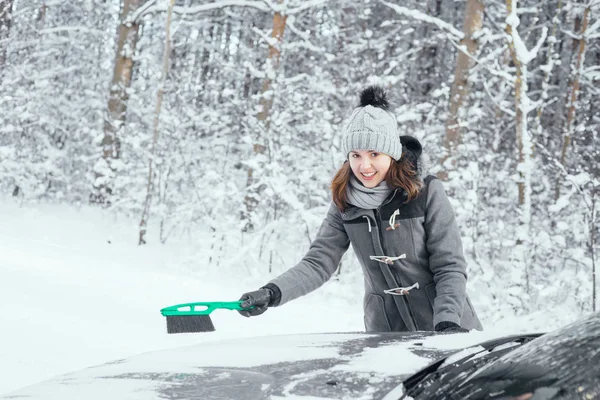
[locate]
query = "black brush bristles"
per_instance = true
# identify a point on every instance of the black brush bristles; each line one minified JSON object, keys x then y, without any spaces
{"x":189,"y":323}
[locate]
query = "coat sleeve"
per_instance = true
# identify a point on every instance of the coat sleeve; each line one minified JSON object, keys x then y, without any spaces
{"x":446,"y":259}
{"x":319,"y":263}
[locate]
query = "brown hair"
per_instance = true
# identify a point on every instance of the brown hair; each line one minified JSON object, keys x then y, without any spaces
{"x":402,"y":174}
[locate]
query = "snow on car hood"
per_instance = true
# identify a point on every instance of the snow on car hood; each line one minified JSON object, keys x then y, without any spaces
{"x":310,"y":366}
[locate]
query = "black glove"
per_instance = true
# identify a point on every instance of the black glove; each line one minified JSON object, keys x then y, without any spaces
{"x":260,"y":299}
{"x":449,"y":327}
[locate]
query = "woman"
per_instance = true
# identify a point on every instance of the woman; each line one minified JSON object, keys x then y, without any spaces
{"x":401,"y":228}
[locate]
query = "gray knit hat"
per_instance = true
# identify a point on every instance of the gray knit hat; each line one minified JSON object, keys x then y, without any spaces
{"x":371,"y":126}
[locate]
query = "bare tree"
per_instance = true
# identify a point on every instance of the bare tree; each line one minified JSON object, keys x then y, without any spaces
{"x":155,"y":125}
{"x":551,"y":61}
{"x":117,"y":103}
{"x":264,"y":115}
{"x":460,"y":87}
{"x":593,"y":241}
{"x":5,"y":25}
{"x":574,"y":90}
{"x":521,"y":57}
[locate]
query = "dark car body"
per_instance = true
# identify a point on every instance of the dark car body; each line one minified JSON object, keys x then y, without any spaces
{"x":564,"y":364}
{"x":561,"y":365}
{"x":311,"y":366}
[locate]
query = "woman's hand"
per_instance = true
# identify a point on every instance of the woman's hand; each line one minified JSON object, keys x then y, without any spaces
{"x":258,"y":299}
{"x":450,"y":327}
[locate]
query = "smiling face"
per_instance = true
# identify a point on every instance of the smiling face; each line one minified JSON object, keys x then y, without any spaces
{"x":370,"y":167}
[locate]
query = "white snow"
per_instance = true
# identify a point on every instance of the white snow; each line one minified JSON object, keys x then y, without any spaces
{"x":385,"y":360}
{"x":420,"y":16}
{"x":76,"y":291}
{"x":70,"y":300}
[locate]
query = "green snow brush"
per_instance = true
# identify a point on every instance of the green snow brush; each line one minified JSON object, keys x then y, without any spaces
{"x":195,"y":317}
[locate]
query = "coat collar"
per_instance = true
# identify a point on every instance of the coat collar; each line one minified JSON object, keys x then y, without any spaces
{"x":354,"y":212}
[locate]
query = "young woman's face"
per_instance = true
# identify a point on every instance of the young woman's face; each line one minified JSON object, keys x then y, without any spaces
{"x":370,"y":167}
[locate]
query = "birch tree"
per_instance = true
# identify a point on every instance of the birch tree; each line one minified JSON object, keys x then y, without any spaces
{"x":5,"y":24}
{"x":521,"y":57}
{"x":468,"y":45}
{"x":107,"y":166}
{"x":266,"y":102}
{"x":156,"y":124}
{"x":552,"y":58}
{"x":593,"y":242}
{"x":572,"y":105}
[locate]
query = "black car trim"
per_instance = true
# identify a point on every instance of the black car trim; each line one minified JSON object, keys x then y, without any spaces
{"x":411,"y":382}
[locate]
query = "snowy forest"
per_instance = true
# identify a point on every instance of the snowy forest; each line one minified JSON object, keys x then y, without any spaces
{"x":220,"y":120}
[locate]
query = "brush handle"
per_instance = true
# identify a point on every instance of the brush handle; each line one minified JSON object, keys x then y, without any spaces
{"x":210,"y":307}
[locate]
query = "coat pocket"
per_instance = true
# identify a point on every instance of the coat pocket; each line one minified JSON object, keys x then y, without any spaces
{"x":468,"y":313}
{"x":376,"y":319}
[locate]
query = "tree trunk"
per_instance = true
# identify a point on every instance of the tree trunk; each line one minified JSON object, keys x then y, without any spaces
{"x":202,"y":64}
{"x":226,"y":57}
{"x":117,"y":104}
{"x":5,"y":25}
{"x":473,"y":23}
{"x":273,"y":58}
{"x":573,"y":92}
{"x":427,"y":66}
{"x":40,"y":23}
{"x":593,"y":247}
{"x":266,"y":102}
{"x":551,"y":60}
{"x":521,"y":57}
{"x":41,"y":17}
{"x":249,"y":80}
{"x":521,"y":120}
{"x":155,"y":125}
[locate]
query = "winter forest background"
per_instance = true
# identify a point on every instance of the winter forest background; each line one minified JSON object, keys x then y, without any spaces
{"x":221,"y":120}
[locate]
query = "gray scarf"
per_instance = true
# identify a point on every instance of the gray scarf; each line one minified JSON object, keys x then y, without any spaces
{"x":366,"y":198}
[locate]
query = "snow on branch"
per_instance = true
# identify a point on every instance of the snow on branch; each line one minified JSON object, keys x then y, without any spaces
{"x":292,"y":26}
{"x":152,"y":6}
{"x":592,"y":31}
{"x":303,"y":45}
{"x":305,"y":6}
{"x":265,"y":5}
{"x":420,"y":16}
{"x":84,"y":29}
{"x":496,"y":102}
{"x":254,"y":72}
{"x":527,"y":10}
{"x":533,"y":52}
{"x":23,"y":10}
{"x":270,"y":40}
{"x":484,"y":62}
{"x":221,"y":4}
{"x":305,"y":36}
{"x":524,"y":55}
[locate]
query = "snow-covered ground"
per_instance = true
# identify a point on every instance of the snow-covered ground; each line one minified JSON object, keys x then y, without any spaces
{"x":76,"y":291}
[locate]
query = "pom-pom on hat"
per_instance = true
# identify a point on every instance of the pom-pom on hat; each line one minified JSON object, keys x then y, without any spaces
{"x":371,"y":126}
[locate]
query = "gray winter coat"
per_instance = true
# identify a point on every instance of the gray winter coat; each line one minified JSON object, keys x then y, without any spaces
{"x":425,"y":231}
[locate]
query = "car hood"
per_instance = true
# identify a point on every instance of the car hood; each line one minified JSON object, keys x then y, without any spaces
{"x":316,"y":366}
